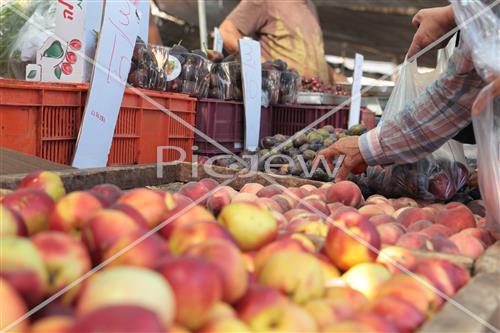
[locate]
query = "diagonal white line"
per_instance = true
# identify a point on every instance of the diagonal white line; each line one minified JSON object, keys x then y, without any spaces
{"x":383,"y":255}
{"x":266,"y":177}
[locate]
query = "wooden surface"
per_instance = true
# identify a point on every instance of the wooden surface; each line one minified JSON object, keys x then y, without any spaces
{"x":465,"y":262}
{"x":481,"y":296}
{"x":13,"y":162}
{"x":489,"y":262}
{"x":127,"y":177}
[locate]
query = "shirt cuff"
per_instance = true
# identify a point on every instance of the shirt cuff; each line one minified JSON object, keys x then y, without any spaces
{"x":371,"y":149}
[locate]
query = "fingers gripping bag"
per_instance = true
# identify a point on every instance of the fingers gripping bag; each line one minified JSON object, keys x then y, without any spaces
{"x":438,"y":176}
{"x":480,"y":26}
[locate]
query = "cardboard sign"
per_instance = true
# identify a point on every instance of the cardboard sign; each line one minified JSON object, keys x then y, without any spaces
{"x":113,"y":58}
{"x":251,"y":73}
{"x":218,"y":42}
{"x":354,"y":111}
{"x":62,"y":57}
{"x":67,"y":55}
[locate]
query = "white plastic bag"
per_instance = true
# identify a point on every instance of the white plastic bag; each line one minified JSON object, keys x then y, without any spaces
{"x":480,"y":30}
{"x":410,"y":84}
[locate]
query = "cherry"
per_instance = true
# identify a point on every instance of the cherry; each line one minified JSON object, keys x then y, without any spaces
{"x":71,"y":57}
{"x":75,"y":44}
{"x":66,"y":68}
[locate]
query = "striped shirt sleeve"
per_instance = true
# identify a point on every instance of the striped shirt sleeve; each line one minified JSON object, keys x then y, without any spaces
{"x":437,"y":115}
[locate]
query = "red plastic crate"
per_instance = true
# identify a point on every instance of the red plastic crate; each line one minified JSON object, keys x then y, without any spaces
{"x":161,"y":130}
{"x":289,"y":119}
{"x":224,"y":121}
{"x":43,"y":119}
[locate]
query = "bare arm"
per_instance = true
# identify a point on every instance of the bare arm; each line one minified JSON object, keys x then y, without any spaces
{"x":230,"y":36}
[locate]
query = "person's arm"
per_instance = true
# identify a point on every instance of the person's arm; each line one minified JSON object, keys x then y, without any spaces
{"x":245,"y":20}
{"x":432,"y":119}
{"x":230,"y":35}
{"x":427,"y":123}
{"x":431,"y":24}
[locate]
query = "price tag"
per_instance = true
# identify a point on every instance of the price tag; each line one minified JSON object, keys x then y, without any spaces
{"x":112,"y":65}
{"x":218,"y":42}
{"x":354,"y":111}
{"x":251,"y":73}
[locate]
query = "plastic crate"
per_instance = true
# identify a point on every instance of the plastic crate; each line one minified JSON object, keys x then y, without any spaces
{"x":162,"y":130}
{"x":43,"y":119}
{"x":289,"y":119}
{"x":224,"y":121}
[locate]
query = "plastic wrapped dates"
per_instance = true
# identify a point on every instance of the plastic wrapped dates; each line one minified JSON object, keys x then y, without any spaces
{"x":289,"y":87}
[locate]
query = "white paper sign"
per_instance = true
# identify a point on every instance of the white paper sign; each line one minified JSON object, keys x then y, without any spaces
{"x":251,"y":73}
{"x":218,"y":42}
{"x":114,"y":52}
{"x":354,"y":112}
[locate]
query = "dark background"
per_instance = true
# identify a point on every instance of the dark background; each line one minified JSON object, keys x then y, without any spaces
{"x":379,"y":29}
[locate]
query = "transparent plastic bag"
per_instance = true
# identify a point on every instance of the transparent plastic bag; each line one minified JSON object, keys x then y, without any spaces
{"x":150,"y":67}
{"x":271,"y":85}
{"x":19,"y":44}
{"x":431,"y":179}
{"x":479,"y":26}
{"x":225,"y":81}
{"x":487,"y":133}
{"x":141,"y":65}
{"x":289,"y":87}
{"x":195,"y":75}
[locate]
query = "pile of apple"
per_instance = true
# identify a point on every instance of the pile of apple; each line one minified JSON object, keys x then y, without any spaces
{"x":263,"y":259}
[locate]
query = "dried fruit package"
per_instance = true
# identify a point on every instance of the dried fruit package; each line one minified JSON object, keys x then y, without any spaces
{"x":194,"y":79}
{"x":225,"y":81}
{"x":150,"y":66}
{"x":271,"y":85}
{"x":289,"y":87}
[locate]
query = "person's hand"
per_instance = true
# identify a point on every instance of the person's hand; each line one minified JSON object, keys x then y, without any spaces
{"x":431,"y":24}
{"x":348,"y":146}
{"x":486,"y":96}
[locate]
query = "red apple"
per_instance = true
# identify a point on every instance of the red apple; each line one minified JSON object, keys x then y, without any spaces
{"x":197,"y":288}
{"x":66,"y":260}
{"x":230,"y":263}
{"x":34,"y":206}
{"x":351,"y":241}
{"x":73,"y":211}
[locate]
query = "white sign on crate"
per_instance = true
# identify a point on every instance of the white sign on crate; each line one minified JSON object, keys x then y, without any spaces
{"x":112,"y":65}
{"x":251,"y":73}
{"x":355,"y":109}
